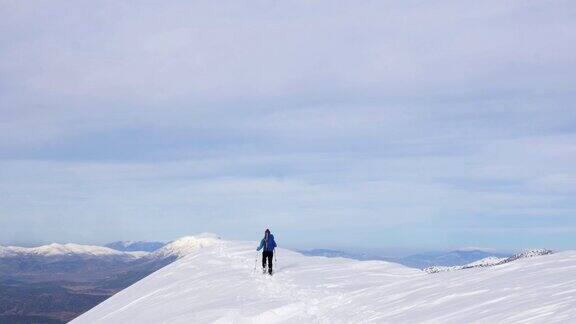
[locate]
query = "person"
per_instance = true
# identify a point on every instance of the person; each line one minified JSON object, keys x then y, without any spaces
{"x":268,"y":244}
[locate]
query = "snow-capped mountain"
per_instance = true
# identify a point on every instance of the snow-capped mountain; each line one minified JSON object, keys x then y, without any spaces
{"x":185,"y":246}
{"x":56,"y":249}
{"x":127,"y":246}
{"x":57,"y":282}
{"x":63,"y":262}
{"x":222,"y":283}
{"x":491,"y":261}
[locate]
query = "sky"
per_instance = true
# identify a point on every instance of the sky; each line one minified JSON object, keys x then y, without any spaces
{"x":436,"y":124}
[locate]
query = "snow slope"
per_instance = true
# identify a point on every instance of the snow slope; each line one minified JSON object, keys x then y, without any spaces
{"x":217,"y":284}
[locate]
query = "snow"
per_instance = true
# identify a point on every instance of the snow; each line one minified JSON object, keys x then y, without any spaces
{"x":56,"y":249}
{"x":486,"y":262}
{"x":186,"y":245}
{"x":436,"y":269}
{"x":490,"y":261}
{"x":126,"y":243}
{"x":218,"y":284}
{"x":530,"y":254}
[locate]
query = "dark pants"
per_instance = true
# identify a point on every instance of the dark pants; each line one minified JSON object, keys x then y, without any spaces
{"x":267,"y":255}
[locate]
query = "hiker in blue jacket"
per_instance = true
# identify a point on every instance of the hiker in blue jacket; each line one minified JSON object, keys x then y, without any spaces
{"x":269,"y":245}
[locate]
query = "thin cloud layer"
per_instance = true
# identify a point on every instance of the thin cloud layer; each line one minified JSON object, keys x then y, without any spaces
{"x":445,"y":123}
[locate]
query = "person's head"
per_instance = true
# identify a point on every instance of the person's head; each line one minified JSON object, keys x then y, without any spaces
{"x":267,"y":231}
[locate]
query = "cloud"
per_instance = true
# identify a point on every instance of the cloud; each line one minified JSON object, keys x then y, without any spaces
{"x":181,"y":116}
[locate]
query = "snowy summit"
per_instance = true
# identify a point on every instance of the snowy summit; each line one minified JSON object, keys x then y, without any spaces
{"x":186,"y":245}
{"x":221,"y":282}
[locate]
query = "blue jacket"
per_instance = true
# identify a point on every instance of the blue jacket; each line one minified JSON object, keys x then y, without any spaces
{"x":267,"y":247}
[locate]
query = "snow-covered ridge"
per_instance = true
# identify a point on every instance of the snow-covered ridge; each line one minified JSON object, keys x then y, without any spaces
{"x":177,"y":249}
{"x":186,"y":245}
{"x":530,"y":254}
{"x":491,"y":261}
{"x":223,"y":284}
{"x":56,"y":249}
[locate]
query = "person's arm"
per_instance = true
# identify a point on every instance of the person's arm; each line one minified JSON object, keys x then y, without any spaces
{"x":261,"y":245}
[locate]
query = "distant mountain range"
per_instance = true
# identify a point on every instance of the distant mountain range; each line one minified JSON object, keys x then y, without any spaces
{"x":420,"y":261}
{"x":56,"y":249}
{"x":57,"y":282}
{"x":450,"y":258}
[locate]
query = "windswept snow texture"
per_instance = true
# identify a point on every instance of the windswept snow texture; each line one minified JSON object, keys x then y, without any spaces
{"x":218,"y":284}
